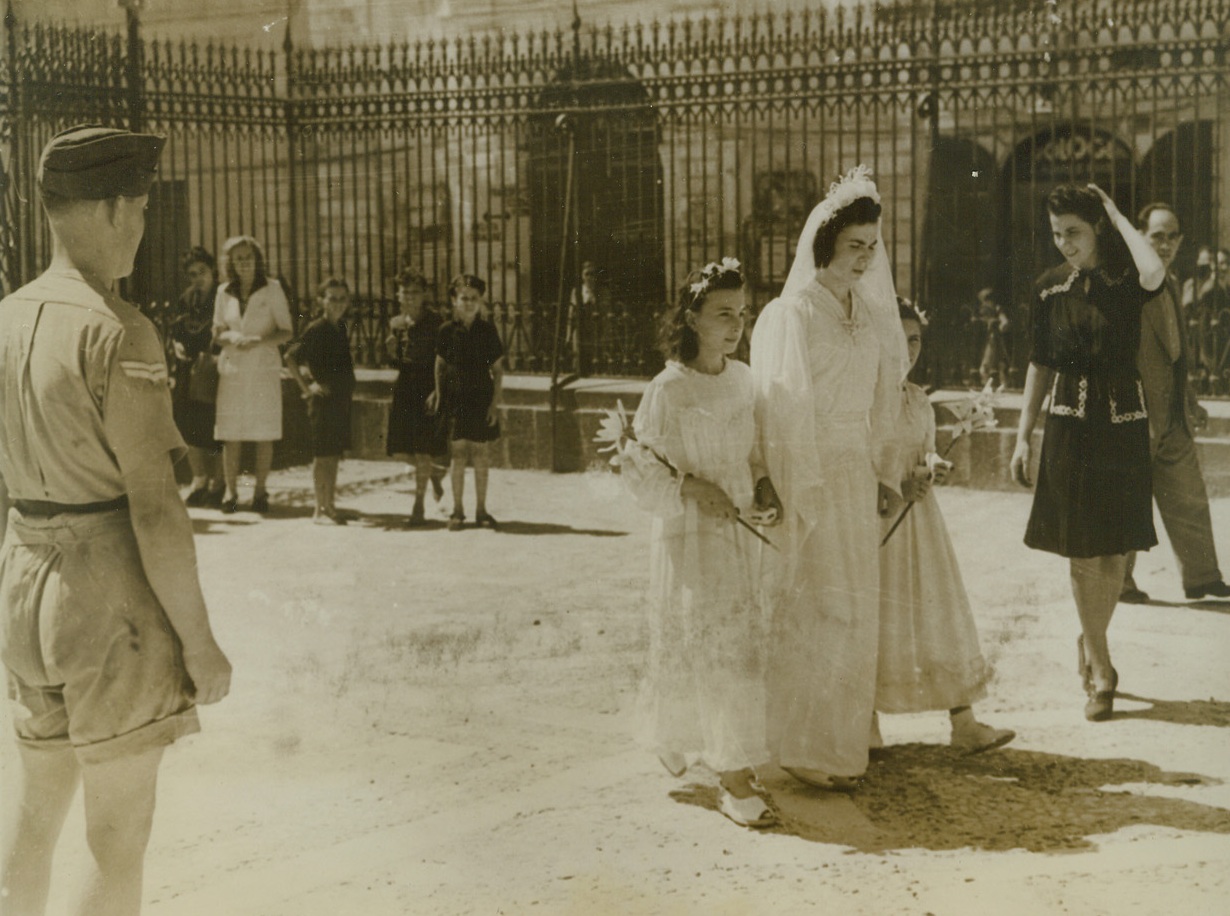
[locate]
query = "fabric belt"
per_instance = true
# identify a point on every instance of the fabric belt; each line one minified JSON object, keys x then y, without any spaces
{"x":38,"y":508}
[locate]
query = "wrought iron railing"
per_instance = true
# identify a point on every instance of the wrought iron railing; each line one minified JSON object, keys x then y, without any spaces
{"x":650,"y":149}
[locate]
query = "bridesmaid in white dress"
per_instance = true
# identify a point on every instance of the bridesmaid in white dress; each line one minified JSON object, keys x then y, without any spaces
{"x":251,"y":320}
{"x":929,"y":652}
{"x":828,"y":359}
{"x":703,"y":696}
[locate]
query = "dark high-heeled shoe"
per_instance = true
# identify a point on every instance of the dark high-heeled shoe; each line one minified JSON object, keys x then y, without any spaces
{"x":229,"y":506}
{"x":1101,"y":703}
{"x":1100,"y":706}
{"x":1085,"y":670}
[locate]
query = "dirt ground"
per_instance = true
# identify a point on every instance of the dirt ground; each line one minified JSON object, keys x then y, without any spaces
{"x":425,"y":722}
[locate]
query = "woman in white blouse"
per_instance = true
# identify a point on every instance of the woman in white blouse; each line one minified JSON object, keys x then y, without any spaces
{"x":251,"y":319}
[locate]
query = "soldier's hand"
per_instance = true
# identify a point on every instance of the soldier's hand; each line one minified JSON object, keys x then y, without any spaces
{"x":210,"y":673}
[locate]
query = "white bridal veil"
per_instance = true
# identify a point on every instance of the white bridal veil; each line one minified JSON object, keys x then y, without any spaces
{"x":781,"y":366}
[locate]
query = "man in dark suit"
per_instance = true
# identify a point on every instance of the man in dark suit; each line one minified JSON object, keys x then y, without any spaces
{"x":1174,"y":414}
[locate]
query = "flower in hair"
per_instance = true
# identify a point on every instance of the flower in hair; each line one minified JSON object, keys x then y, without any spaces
{"x":846,"y":190}
{"x":712,"y":271}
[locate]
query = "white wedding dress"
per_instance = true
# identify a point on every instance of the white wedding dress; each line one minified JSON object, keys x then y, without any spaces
{"x":826,"y":386}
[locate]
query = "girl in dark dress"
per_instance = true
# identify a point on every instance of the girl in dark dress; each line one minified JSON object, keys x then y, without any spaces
{"x":416,"y":433}
{"x":1093,"y":502}
{"x":191,"y":335}
{"x":469,"y":386}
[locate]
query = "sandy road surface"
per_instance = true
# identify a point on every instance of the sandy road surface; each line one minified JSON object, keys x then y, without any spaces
{"x":426,"y":722}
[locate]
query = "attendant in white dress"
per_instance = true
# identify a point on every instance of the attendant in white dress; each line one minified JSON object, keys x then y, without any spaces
{"x":703,"y":697}
{"x":828,"y":360}
{"x":929,"y":654}
{"x":251,"y":320}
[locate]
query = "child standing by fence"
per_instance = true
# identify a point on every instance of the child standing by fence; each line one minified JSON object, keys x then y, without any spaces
{"x":469,"y":386}
{"x":415,"y":433}
{"x":694,"y":465}
{"x":929,"y":656}
{"x":324,"y":348}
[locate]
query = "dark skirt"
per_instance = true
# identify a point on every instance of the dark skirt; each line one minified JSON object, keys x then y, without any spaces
{"x":330,"y":423}
{"x":195,"y":419}
{"x":1094,"y":493}
{"x":412,"y":430}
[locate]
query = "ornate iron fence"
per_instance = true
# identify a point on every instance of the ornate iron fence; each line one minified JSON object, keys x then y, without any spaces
{"x":649,"y":150}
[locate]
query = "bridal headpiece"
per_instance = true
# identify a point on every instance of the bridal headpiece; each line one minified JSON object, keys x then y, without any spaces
{"x":846,"y":190}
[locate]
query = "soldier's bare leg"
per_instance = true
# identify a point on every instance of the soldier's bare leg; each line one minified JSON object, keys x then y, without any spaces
{"x":119,"y":812}
{"x":35,"y":806}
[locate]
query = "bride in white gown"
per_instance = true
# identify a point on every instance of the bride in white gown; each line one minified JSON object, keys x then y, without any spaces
{"x":828,"y":359}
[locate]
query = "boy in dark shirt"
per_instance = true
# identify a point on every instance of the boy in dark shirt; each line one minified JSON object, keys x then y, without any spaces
{"x":324,"y":350}
{"x":469,"y":386}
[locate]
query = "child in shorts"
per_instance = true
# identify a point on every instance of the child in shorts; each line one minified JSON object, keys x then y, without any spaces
{"x":324,"y":350}
{"x":469,"y":387}
{"x":415,"y":433}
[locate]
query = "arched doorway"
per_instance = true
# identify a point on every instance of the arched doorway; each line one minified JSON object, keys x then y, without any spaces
{"x":617,"y":196}
{"x":1178,"y":170}
{"x":958,"y":254}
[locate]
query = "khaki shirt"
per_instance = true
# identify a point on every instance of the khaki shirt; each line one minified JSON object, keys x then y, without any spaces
{"x":84,"y":393}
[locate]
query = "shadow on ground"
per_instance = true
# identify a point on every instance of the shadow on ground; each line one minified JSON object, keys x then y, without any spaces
{"x":515,"y":527}
{"x":1178,"y":712}
{"x":1217,"y":606}
{"x":219,"y":524}
{"x":928,"y":797}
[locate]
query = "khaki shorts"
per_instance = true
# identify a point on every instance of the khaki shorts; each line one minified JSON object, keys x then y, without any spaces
{"x":92,"y":661}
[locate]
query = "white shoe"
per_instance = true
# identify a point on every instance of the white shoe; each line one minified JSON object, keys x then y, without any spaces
{"x":752,"y":811}
{"x":976,"y":738}
{"x":675,"y":764}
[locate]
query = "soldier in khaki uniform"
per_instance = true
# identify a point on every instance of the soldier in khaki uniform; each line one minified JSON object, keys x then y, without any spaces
{"x":104,"y":635}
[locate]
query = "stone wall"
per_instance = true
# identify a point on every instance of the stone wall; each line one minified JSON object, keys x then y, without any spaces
{"x":981,"y":460}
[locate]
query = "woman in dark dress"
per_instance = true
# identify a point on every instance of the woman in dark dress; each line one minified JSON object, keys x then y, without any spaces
{"x":416,"y":434}
{"x":1094,"y":500}
{"x":191,"y":334}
